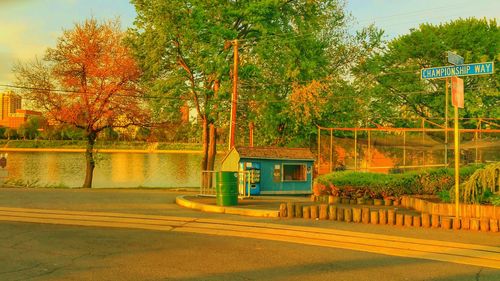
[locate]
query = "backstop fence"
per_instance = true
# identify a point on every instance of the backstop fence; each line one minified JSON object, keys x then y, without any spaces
{"x":388,"y":149}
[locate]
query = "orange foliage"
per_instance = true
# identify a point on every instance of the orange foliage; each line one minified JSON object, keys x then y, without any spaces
{"x":307,"y":101}
{"x":92,"y":62}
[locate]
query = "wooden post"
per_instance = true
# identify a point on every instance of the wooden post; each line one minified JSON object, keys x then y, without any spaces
{"x":323,"y":211}
{"x":374,"y":217}
{"x":332,"y":210}
{"x":298,"y":210}
{"x":234,"y":97}
{"x":446,"y":222}
{"x":391,"y":217}
{"x":283,"y":213}
{"x":340,"y":214}
{"x":306,"y":212}
{"x":485,"y":224}
{"x":314,"y":212}
{"x":493,"y":225}
{"x":416,"y":221}
{"x":290,"y":210}
{"x":408,"y":220}
{"x":426,"y":220}
{"x":382,"y":216}
{"x":356,"y":215}
{"x":474,"y":224}
{"x":399,"y":219}
{"x":348,"y":214}
{"x":456,"y":224}
{"x":465,"y":223}
{"x":250,"y":137}
{"x":435,"y":221}
{"x":365,"y":215}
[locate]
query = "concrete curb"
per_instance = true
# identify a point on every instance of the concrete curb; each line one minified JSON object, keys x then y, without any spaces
{"x":182,"y":201}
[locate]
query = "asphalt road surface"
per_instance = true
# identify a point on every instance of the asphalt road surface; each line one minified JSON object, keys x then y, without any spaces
{"x":43,"y":251}
{"x":55,"y":252}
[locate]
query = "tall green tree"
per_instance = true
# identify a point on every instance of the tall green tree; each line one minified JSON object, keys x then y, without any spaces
{"x":185,"y":51}
{"x":392,"y":81}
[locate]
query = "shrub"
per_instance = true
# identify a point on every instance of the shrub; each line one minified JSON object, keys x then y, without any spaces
{"x":495,"y":200}
{"x":482,"y":184}
{"x":445,"y":196}
{"x":377,"y":185}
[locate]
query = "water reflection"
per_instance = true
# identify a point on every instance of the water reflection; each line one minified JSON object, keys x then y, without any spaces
{"x":112,"y":169}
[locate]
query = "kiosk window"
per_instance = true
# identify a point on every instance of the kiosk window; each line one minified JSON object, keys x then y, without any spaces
{"x":294,"y":172}
{"x":277,"y":173}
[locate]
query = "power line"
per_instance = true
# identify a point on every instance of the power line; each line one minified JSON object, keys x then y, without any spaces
{"x":180,"y":98}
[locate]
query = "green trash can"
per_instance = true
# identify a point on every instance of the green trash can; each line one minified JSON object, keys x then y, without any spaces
{"x":227,"y":188}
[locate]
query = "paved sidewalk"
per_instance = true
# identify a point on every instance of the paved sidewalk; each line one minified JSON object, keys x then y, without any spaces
{"x":162,"y":202}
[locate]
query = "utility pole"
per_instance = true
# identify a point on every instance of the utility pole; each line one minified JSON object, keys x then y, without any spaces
{"x":234,"y":98}
{"x":250,"y":139}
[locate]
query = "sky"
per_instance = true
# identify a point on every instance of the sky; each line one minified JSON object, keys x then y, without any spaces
{"x":29,"y":27}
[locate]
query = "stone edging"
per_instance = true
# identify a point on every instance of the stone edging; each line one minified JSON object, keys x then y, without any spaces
{"x":182,"y":201}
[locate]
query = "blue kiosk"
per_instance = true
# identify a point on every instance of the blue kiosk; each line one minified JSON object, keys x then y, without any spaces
{"x":272,"y":170}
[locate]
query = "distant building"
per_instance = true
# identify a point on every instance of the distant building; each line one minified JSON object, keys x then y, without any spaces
{"x":9,"y":104}
{"x":11,"y":114}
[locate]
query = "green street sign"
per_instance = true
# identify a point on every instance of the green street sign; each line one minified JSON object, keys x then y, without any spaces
{"x":454,"y":58}
{"x":457,"y":70}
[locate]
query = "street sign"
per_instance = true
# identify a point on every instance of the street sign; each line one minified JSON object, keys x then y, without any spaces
{"x":457,"y":92}
{"x":457,"y":70}
{"x":455,"y":59}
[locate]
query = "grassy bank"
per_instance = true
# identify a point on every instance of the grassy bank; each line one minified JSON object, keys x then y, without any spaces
{"x":80,"y":144}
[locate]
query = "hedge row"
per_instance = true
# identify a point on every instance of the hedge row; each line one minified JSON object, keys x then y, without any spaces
{"x":352,"y":184}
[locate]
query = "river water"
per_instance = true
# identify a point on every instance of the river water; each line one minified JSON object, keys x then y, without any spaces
{"x":112,"y":170}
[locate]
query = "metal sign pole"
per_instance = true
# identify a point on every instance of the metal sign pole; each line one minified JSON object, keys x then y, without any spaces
{"x":446,"y":125}
{"x":457,"y":90}
{"x":457,"y":161}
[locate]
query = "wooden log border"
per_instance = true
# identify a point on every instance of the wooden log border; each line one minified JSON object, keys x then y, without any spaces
{"x":433,"y":218}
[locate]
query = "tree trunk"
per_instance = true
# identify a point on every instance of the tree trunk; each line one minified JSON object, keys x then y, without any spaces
{"x":212,"y":150}
{"x":212,"y":147}
{"x":89,"y":159}
{"x":204,"y":161}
